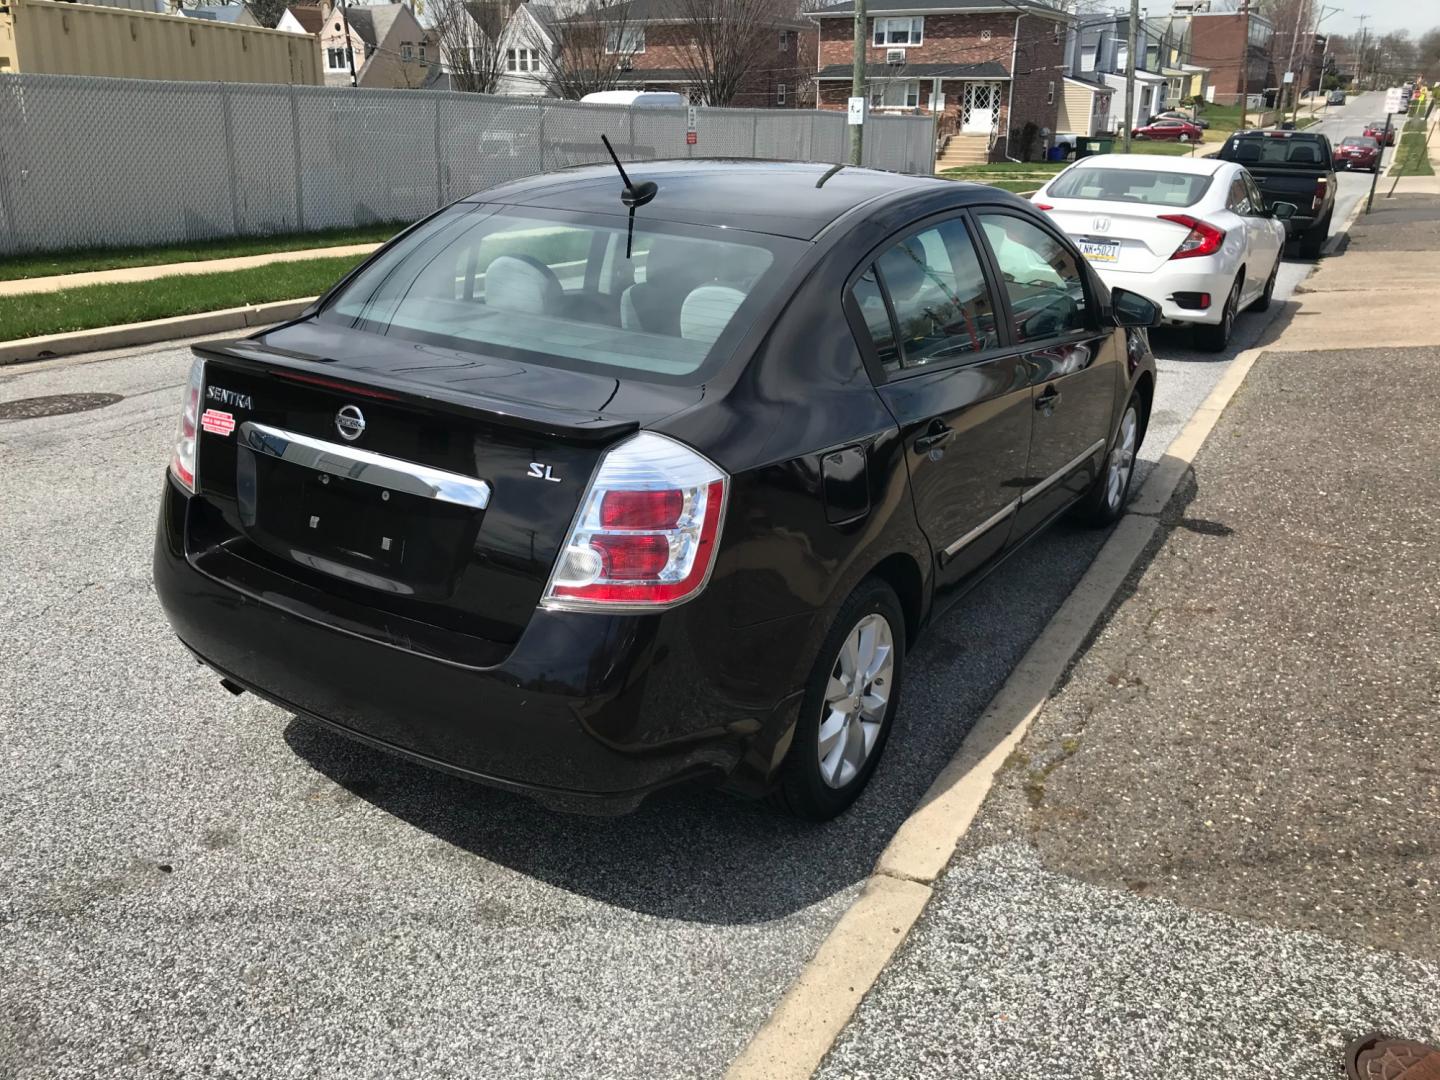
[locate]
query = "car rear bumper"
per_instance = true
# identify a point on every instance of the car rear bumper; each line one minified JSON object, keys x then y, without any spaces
{"x":1202,"y":275}
{"x":587,"y":712}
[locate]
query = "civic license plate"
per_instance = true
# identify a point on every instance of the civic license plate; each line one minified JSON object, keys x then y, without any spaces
{"x":1100,"y":250}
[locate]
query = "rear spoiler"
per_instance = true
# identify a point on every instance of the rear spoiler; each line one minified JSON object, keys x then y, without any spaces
{"x":569,"y":424}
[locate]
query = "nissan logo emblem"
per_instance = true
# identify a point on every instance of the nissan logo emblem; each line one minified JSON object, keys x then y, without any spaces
{"x":350,"y":422}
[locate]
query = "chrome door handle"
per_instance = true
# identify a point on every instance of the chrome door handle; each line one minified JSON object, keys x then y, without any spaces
{"x":1047,"y":401}
{"x":936,"y":437}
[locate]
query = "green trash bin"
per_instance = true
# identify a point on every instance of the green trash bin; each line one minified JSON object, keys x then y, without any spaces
{"x":1102,"y":144}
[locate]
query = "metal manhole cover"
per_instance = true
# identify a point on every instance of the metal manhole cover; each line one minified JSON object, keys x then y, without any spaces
{"x":1377,"y":1058}
{"x":55,"y":405}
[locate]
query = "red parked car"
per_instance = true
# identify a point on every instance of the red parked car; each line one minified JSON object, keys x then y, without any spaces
{"x":1376,"y":130}
{"x":1358,"y":152}
{"x":1180,"y":130}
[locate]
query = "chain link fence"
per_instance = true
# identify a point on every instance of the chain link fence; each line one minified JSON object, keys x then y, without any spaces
{"x":90,"y":162}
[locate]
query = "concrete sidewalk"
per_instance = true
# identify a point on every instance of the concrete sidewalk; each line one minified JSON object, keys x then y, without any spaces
{"x":126,"y":274}
{"x":1214,"y":855}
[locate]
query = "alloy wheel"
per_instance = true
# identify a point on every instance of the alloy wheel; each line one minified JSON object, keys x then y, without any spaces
{"x":856,"y":699}
{"x":1122,"y":460}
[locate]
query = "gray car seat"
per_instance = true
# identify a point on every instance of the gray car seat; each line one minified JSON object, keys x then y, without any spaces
{"x":707,"y":311}
{"x":522,"y":284}
{"x":673,"y":268}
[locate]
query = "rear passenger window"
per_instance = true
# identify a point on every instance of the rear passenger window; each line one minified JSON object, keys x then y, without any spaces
{"x":1047,"y":293}
{"x":943,"y":309}
{"x":877,"y":319}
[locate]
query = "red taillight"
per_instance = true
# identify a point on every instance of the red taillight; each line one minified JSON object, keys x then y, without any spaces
{"x":1203,"y":238}
{"x":186,"y":452}
{"x":647,"y":529}
{"x":1319,"y":197}
{"x":1043,"y":206}
{"x":641,"y":509}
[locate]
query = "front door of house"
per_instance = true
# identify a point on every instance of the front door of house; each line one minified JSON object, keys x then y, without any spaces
{"x":979,"y":108}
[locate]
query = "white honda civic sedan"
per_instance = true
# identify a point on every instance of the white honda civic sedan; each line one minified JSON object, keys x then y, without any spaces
{"x":1191,"y":234}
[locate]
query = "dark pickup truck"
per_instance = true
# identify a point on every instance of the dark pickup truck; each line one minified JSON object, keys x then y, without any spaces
{"x":1294,"y":167}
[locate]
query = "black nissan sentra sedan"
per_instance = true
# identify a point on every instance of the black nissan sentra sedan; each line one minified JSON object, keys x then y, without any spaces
{"x":586,"y":485}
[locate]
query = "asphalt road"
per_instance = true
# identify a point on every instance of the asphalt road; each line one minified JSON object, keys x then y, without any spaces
{"x":200,"y":884}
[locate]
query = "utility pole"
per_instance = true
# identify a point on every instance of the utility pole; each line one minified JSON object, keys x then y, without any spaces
{"x":1360,"y":59}
{"x":1130,"y":73}
{"x":1244,"y":63}
{"x":1290,"y":66}
{"x":349,"y":52}
{"x":857,"y":84}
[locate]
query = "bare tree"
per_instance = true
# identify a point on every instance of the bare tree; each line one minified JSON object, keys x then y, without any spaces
{"x":592,"y":50}
{"x":471,"y":46}
{"x":731,"y":40}
{"x":267,"y":12}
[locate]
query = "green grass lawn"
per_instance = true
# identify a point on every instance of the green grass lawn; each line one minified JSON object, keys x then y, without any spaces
{"x":76,"y":261}
{"x":1169,"y":149}
{"x":1411,"y":157}
{"x":1019,"y":187}
{"x":90,"y":306}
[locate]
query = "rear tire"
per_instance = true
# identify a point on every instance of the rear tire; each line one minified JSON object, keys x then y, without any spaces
{"x":1217,"y":338}
{"x":848,"y":707}
{"x":1314,"y":239}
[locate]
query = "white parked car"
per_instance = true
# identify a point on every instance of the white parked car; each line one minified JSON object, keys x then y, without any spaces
{"x":1191,"y":234}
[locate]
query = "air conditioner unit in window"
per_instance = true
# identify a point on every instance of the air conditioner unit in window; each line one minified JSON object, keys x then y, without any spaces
{"x":894,"y":56}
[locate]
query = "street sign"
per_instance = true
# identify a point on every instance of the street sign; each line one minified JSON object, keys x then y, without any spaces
{"x":690,"y":118}
{"x":1289,"y":77}
{"x":690,"y":138}
{"x":1393,"y":100}
{"x":856,"y":116}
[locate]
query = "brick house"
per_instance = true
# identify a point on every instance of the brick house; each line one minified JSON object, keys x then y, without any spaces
{"x":1236,"y":48}
{"x":654,"y":41}
{"x":992,"y":71}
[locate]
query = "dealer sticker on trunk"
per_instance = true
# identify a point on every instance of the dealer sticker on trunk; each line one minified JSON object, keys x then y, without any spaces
{"x":216,"y":422}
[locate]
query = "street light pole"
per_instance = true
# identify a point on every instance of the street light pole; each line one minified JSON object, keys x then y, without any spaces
{"x":857,"y":84}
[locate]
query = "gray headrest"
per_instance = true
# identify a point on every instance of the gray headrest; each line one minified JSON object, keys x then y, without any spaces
{"x":707,"y":311}
{"x":903,"y":267}
{"x":522,"y":284}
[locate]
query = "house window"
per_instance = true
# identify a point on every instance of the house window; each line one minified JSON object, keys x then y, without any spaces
{"x":406,"y":52}
{"x":522,"y":60}
{"x":1122,"y":58}
{"x":337,"y":59}
{"x":895,"y":94}
{"x":909,"y":31}
{"x":422,"y":54}
{"x":1050,"y":95}
{"x":780,"y":93}
{"x":784,"y":40}
{"x":625,"y":39}
{"x":1087,"y":57}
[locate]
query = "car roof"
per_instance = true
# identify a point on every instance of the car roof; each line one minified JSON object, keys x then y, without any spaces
{"x":1205,"y":166}
{"x":795,"y":199}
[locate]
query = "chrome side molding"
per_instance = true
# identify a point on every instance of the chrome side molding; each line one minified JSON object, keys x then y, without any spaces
{"x":377,"y":470}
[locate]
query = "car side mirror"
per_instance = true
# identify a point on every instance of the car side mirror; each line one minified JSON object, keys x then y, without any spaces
{"x":1131,"y":309}
{"x":1284,"y":211}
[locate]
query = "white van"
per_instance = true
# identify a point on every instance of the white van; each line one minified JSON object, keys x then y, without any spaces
{"x":647,"y":99}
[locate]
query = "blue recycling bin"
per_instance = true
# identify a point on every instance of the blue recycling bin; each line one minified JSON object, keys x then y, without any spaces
{"x":1055,"y":153}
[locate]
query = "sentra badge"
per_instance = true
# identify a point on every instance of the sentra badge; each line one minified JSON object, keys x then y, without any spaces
{"x":228,"y":397}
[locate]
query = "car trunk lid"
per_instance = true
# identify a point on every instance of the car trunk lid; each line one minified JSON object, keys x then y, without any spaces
{"x":1120,"y":235}
{"x":416,"y":488}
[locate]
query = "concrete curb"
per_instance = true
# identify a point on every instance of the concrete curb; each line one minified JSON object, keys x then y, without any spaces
{"x":24,"y":350}
{"x":799,"y":1033}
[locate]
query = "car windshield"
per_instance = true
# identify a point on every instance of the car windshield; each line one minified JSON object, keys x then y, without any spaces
{"x":560,"y":290}
{"x":1130,"y":185}
{"x":1369,"y":144}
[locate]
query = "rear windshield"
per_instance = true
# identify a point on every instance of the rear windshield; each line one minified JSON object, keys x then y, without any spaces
{"x":1369,"y":144}
{"x":561,"y":290}
{"x":1130,"y":185}
{"x":1275,"y":150}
